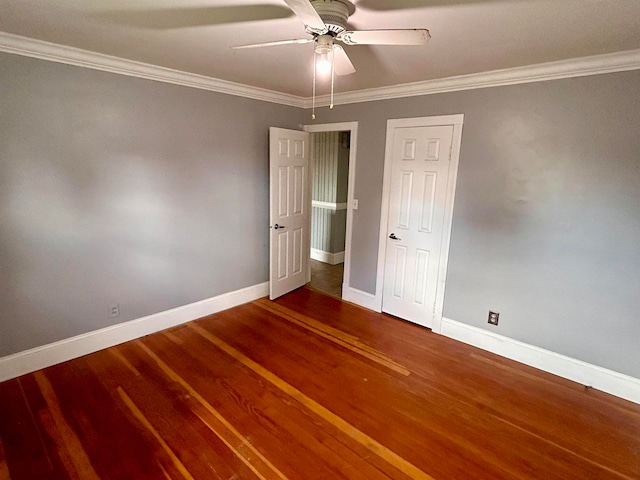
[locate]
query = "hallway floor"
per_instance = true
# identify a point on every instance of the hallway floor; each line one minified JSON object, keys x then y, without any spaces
{"x":327,"y":278}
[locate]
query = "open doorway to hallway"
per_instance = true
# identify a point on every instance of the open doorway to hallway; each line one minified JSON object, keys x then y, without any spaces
{"x":330,"y":183}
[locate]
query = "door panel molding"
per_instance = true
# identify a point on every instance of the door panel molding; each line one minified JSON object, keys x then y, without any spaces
{"x":289,"y":210}
{"x":446,"y":120}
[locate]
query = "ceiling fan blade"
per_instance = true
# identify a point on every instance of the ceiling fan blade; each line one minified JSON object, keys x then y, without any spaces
{"x":296,"y":41}
{"x":341,"y":61}
{"x":385,"y":37}
{"x":386,"y":5}
{"x":305,"y":12}
{"x":184,"y":17}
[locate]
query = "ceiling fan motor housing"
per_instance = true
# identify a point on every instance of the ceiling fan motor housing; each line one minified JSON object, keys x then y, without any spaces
{"x":334,"y":13}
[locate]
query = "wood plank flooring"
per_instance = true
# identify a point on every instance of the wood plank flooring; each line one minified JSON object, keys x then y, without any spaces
{"x":308,"y":387}
{"x":327,"y":278}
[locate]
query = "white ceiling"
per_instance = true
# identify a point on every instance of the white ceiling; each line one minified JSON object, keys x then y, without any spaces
{"x":468,"y":36}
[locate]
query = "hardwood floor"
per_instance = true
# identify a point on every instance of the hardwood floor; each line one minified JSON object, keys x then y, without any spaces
{"x":308,"y":387}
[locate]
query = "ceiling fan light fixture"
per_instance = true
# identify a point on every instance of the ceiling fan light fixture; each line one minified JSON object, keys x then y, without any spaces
{"x":323,"y":64}
{"x":323,"y":49}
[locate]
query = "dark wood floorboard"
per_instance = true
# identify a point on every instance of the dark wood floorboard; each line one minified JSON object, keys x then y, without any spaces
{"x":308,"y":387}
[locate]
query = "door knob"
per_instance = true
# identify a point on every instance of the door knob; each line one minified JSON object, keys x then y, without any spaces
{"x":393,"y":237}
{"x":276,"y":226}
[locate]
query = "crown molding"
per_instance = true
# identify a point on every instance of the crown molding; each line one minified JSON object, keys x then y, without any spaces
{"x":40,"y":49}
{"x":575,"y":67}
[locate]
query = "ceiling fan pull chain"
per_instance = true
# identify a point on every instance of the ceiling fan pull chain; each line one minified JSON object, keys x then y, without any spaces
{"x":313,"y":96}
{"x":333,"y":74}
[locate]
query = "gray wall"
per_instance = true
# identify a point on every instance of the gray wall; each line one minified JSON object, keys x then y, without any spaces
{"x":546,"y":223}
{"x":114,"y":189}
{"x":121,"y":190}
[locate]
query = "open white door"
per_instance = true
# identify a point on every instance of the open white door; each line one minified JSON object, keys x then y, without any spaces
{"x":420,"y":171}
{"x":289,"y":210}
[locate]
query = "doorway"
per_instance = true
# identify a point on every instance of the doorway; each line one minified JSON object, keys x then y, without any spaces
{"x":332,"y":166}
{"x":329,"y":185}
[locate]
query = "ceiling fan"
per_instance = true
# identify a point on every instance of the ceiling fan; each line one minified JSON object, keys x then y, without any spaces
{"x":326,"y":22}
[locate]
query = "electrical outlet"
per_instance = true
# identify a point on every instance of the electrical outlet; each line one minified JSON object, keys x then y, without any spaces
{"x":493,"y":318}
{"x":114,"y":310}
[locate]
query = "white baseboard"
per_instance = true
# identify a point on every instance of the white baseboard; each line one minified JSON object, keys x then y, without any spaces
{"x":364,"y":299}
{"x":585,"y":373}
{"x":327,"y":257}
{"x":41,"y":357}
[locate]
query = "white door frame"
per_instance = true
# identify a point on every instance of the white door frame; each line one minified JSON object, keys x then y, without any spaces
{"x":456,"y":121}
{"x":340,"y":127}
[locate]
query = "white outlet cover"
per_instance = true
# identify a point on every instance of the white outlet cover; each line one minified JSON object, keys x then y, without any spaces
{"x":114,"y":310}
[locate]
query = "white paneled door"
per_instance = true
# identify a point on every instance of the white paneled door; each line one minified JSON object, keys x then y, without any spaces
{"x":419,"y":168}
{"x":289,"y":210}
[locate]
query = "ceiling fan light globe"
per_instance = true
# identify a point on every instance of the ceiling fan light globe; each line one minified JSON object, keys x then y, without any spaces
{"x":323,"y":65}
